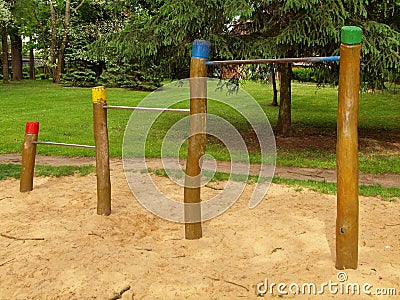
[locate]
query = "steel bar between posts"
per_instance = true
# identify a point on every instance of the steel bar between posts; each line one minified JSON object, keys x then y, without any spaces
{"x":177,"y":110}
{"x":64,"y":145}
{"x":273,"y":60}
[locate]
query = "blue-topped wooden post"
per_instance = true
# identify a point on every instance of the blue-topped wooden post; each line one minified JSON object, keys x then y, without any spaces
{"x":347,"y":149}
{"x":197,"y":140}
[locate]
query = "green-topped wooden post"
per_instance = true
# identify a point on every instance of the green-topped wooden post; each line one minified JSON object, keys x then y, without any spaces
{"x":197,"y":139}
{"x":347,"y":149}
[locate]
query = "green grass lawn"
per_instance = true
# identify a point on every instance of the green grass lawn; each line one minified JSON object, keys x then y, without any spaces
{"x":14,"y":171}
{"x":65,"y":115}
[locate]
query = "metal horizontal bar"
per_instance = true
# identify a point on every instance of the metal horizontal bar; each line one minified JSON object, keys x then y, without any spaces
{"x":64,"y":145}
{"x":177,"y":110}
{"x":273,"y":60}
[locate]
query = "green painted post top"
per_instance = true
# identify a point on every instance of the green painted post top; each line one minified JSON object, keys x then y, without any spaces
{"x":351,"y":35}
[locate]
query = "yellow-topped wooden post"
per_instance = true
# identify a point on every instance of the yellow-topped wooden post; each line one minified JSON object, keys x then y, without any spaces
{"x":102,"y":152}
{"x":347,"y":150}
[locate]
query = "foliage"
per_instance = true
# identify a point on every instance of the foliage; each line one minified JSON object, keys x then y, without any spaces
{"x":320,"y":73}
{"x":93,"y":20}
{"x":162,"y":36}
{"x":273,"y":29}
{"x":79,"y":78}
{"x":304,"y":74}
{"x":129,"y":76}
{"x":5,"y":12}
{"x":27,"y":68}
{"x":42,"y":76}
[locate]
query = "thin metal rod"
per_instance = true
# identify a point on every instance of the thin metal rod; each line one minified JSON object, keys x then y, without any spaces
{"x":177,"y":110}
{"x":64,"y":145}
{"x":273,"y":60}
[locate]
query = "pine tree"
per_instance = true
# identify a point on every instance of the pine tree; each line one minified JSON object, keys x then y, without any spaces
{"x":161,"y":33}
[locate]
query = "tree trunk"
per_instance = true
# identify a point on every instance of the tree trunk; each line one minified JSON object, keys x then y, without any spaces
{"x":64,"y":42}
{"x":4,"y":47}
{"x":45,"y":50}
{"x":275,"y":98}
{"x":31,"y":65}
{"x":284,"y":125}
{"x":16,"y":56}
{"x":60,"y":63}
{"x":53,"y":44}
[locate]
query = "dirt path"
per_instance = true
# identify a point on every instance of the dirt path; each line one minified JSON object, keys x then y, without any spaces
{"x":317,"y":174}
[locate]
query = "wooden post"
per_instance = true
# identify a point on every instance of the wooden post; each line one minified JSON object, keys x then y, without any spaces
{"x":197,"y":141}
{"x":347,"y":149}
{"x":102,"y":154}
{"x":28,"y":156}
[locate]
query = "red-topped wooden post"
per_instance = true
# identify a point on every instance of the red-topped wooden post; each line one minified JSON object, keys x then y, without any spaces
{"x":197,"y":140}
{"x":28,"y":156}
{"x":347,"y":149}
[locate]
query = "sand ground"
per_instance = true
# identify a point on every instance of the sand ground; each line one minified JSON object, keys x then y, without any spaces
{"x":53,"y":245}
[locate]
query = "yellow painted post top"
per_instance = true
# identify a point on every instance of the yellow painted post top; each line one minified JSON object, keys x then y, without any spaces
{"x":99,"y":94}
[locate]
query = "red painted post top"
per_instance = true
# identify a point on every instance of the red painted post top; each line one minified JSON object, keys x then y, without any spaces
{"x":32,"y":128}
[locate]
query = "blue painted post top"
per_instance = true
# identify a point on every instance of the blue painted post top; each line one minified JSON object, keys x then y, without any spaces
{"x":201,"y":49}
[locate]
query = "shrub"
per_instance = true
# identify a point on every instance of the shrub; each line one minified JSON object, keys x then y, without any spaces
{"x":79,"y":78}
{"x":129,"y":76}
{"x":41,"y":76}
{"x":304,"y":74}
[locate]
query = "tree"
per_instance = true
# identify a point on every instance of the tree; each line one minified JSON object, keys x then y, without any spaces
{"x":161,"y":33}
{"x":28,"y":15}
{"x":18,"y":24}
{"x":265,"y":28}
{"x":16,"y":45}
{"x":94,"y":20}
{"x":58,"y":64}
{"x":312,"y":28}
{"x":5,"y":17}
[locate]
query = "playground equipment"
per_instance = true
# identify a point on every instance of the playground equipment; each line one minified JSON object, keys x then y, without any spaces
{"x":347,"y":137}
{"x":100,"y":108}
{"x":29,"y":154}
{"x":347,"y":141}
{"x":347,"y":149}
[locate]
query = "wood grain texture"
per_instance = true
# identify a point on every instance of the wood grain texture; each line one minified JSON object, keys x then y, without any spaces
{"x":196,"y":146}
{"x":347,"y":158}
